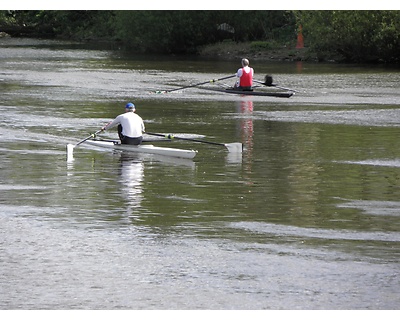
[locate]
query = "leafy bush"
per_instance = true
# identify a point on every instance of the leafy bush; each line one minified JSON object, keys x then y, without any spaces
{"x":360,"y":36}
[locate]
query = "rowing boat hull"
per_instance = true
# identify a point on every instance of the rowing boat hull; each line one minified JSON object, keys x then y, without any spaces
{"x":145,"y":148}
{"x":287,"y":94}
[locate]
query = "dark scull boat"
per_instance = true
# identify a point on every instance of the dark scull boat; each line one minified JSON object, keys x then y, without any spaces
{"x":278,"y":94}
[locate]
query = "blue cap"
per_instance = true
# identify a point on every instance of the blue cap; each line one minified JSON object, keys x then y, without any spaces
{"x":130,"y":105}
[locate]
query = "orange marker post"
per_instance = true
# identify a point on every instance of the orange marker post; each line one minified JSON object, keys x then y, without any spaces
{"x":300,"y":38}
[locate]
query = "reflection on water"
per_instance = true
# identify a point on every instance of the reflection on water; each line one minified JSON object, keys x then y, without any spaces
{"x":299,"y":66}
{"x":131,"y":178}
{"x":244,"y":109}
{"x":314,"y":196}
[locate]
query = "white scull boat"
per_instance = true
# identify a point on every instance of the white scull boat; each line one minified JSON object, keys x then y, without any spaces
{"x":144,"y":148}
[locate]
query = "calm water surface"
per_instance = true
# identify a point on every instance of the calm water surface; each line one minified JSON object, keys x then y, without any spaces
{"x":307,"y":218}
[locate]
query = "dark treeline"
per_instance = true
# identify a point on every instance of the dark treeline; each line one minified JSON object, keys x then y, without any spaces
{"x":357,"y":36}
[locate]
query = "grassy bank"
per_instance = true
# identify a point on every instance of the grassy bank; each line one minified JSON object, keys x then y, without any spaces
{"x":262,"y":51}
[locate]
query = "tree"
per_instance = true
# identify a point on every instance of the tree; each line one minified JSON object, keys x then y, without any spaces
{"x":360,"y":36}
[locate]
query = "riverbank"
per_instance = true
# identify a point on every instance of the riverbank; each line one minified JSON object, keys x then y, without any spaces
{"x":254,"y":51}
{"x":257,"y":52}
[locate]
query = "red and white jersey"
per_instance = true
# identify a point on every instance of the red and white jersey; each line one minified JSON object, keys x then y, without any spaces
{"x":245,"y":76}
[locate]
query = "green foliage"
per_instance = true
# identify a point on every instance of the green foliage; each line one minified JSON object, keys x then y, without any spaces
{"x":78,"y":24}
{"x":263,"y":45}
{"x":163,"y":31}
{"x":361,"y":36}
{"x":187,"y":31}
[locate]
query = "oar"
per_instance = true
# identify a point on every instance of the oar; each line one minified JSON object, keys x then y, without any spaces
{"x":232,"y":147}
{"x":70,"y":147}
{"x":268,"y":83}
{"x":198,"y":84}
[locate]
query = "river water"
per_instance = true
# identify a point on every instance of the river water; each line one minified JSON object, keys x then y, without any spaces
{"x":307,"y":218}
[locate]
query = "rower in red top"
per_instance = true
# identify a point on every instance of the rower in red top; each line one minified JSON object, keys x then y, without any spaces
{"x":245,"y":76}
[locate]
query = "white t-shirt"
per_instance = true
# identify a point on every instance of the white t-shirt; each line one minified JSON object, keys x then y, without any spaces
{"x":132,"y":124}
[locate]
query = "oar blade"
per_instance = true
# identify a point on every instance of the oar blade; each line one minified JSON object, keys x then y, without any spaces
{"x":235,"y":147}
{"x":70,"y":151}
